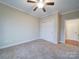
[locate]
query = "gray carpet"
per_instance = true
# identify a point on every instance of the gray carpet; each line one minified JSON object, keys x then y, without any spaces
{"x":40,"y":49}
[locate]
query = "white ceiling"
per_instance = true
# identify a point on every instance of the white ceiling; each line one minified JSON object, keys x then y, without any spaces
{"x":60,"y":5}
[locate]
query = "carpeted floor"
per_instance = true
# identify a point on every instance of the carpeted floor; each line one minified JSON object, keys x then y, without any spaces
{"x":40,"y":49}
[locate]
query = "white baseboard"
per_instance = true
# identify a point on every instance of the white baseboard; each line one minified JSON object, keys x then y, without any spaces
{"x":10,"y":45}
{"x":62,"y":42}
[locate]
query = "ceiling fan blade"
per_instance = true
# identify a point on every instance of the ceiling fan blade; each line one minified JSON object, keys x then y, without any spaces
{"x":44,"y":9}
{"x":35,"y":9}
{"x":30,"y":1}
{"x":50,"y":3}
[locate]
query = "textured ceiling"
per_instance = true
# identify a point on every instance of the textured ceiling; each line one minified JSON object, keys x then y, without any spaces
{"x":60,"y":5}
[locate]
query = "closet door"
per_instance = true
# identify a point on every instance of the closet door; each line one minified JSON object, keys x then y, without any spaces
{"x":48,"y":30}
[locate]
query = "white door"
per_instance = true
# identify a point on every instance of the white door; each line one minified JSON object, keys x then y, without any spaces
{"x":48,"y":31}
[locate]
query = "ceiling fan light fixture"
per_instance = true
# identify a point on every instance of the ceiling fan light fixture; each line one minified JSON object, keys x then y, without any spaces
{"x":40,"y":4}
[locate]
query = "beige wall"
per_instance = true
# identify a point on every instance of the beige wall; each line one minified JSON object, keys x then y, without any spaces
{"x":16,"y":27}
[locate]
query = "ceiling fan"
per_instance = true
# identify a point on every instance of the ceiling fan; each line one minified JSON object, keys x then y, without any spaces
{"x":40,"y":4}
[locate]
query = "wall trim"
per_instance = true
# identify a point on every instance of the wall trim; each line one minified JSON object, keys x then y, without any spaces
{"x":9,"y":5}
{"x":71,"y":11}
{"x":62,"y":42}
{"x":10,"y":45}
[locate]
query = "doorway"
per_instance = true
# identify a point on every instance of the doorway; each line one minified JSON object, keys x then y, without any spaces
{"x":72,"y":31}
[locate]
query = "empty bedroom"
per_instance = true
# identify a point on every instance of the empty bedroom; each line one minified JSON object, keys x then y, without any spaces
{"x":39,"y":29}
